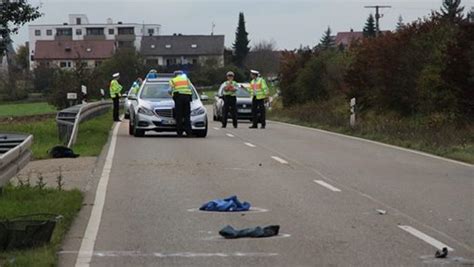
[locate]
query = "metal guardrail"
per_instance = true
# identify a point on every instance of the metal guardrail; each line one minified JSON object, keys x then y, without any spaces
{"x":68,"y":119}
{"x":15,"y":153}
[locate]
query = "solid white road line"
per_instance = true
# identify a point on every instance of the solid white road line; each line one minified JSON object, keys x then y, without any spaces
{"x":377,"y":143}
{"x":428,"y":239}
{"x":229,"y":135}
{"x":136,"y":254}
{"x":282,"y":161}
{"x":88,"y":241}
{"x":249,"y":144}
{"x":328,"y":186}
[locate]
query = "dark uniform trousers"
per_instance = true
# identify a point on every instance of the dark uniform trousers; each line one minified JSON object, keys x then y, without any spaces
{"x":182,"y":104}
{"x":116,"y":101}
{"x":258,"y":111}
{"x":230,"y":104}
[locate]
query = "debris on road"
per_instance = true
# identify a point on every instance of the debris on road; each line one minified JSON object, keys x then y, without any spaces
{"x":381,"y":212}
{"x":62,"y":152}
{"x":441,"y":254}
{"x":225,"y":205}
{"x":256,"y":232}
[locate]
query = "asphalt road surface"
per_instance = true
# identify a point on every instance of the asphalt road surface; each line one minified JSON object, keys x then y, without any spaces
{"x":323,"y":189}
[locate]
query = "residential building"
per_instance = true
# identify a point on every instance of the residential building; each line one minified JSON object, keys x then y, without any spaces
{"x":346,"y":38}
{"x":80,"y":29}
{"x":69,"y":54}
{"x":178,"y":49}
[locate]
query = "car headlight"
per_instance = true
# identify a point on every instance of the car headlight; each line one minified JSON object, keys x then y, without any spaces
{"x":198,"y":111}
{"x":145,"y":111}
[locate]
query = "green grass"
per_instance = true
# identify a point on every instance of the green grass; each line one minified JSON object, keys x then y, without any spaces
{"x":93,"y":135}
{"x":26,"y":109}
{"x":423,"y":134}
{"x":17,"y":201}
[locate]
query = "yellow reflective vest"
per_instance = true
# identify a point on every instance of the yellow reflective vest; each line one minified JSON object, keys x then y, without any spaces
{"x":258,"y":88}
{"x":180,"y":84}
{"x":230,"y":88}
{"x":115,"y":88}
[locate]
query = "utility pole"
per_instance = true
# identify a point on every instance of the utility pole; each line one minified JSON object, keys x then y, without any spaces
{"x":213,"y":26}
{"x":377,"y":16}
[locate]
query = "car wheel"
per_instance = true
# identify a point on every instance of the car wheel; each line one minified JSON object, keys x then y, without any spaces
{"x":138,"y":132}
{"x":201,"y":133}
{"x":130,"y":127}
{"x":127,"y":116}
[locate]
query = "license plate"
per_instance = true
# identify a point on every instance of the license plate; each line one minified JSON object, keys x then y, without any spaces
{"x":244,"y":110}
{"x":168,"y":122}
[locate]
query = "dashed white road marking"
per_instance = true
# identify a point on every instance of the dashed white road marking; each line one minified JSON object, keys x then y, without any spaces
{"x":88,"y":241}
{"x":215,"y":128}
{"x":328,"y":186}
{"x":282,"y":161}
{"x":174,"y":255}
{"x":428,"y":239}
{"x":229,"y":135}
{"x":249,"y":144}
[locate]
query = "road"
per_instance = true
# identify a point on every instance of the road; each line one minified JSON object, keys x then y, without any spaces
{"x":322,"y":189}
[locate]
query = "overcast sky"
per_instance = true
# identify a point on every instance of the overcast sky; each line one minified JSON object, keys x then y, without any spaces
{"x":290,"y":23}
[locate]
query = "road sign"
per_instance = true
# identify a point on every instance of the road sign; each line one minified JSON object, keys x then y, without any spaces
{"x":71,"y":96}
{"x":84,"y":89}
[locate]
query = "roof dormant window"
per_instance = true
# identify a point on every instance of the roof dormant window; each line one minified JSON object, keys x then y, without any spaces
{"x":168,"y":46}
{"x":152,"y":46}
{"x":194,"y":46}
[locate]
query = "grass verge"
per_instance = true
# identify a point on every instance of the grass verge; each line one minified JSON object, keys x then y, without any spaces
{"x":23,"y":200}
{"x":92,"y":135}
{"x":432,"y":135}
{"x":25,"y":109}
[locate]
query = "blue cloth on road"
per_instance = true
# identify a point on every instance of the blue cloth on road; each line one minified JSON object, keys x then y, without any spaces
{"x":228,"y":204}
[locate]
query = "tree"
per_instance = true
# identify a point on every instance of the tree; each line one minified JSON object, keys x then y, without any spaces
{"x":22,"y":57}
{"x":13,"y":15}
{"x":326,"y":41}
{"x":451,"y":10}
{"x":241,"y":44}
{"x":400,"y":23}
{"x":264,"y":58}
{"x":369,"y":29}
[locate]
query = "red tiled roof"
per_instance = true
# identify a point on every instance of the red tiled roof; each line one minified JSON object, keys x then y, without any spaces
{"x":346,"y":38}
{"x":83,"y":49}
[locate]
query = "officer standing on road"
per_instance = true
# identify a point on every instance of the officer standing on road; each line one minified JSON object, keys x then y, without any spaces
{"x":115,"y":90}
{"x":136,"y":86}
{"x":259,"y":93}
{"x":182,"y":96}
{"x":230,"y":100}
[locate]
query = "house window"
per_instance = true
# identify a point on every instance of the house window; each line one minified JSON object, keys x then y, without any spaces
{"x":151,"y":32}
{"x":37,"y":32}
{"x":78,"y":31}
{"x":49,"y":32}
{"x":168,"y":46}
{"x":152,"y":46}
{"x":126,"y":31}
{"x":78,"y":21}
{"x":125,"y":44}
{"x":97,"y":63}
{"x":95,"y":31}
{"x":194,"y":46}
{"x":195,"y":61}
{"x":64,"y":32}
{"x":151,"y":62}
{"x":65,"y":64}
{"x":111,"y":31}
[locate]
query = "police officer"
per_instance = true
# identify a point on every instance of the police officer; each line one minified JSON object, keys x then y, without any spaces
{"x":182,"y":96}
{"x":230,"y":100}
{"x":115,"y":92}
{"x":136,"y":86}
{"x":259,"y":93}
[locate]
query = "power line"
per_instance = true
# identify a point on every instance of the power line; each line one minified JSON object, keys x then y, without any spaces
{"x":377,"y":16}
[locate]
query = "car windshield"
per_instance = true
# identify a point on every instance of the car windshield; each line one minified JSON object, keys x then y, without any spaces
{"x":158,"y":90}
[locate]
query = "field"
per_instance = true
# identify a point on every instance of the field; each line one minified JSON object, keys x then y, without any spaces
{"x":25,"y":109}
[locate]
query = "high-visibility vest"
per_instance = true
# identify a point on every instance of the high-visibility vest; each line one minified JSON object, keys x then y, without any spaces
{"x":180,"y":84}
{"x":258,"y":88}
{"x":135,"y":87}
{"x":115,"y":88}
{"x":230,"y":88}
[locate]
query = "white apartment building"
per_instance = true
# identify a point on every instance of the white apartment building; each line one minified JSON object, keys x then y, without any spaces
{"x":80,"y":29}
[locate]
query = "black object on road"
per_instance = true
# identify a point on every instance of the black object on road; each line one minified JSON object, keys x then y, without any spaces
{"x":257,"y":232}
{"x":441,"y":254}
{"x":27,"y":231}
{"x":62,"y":152}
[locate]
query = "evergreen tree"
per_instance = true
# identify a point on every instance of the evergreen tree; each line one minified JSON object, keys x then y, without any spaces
{"x":452,"y":10}
{"x":400,"y":23}
{"x":369,"y":29}
{"x":326,"y":41}
{"x":241,"y":44}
